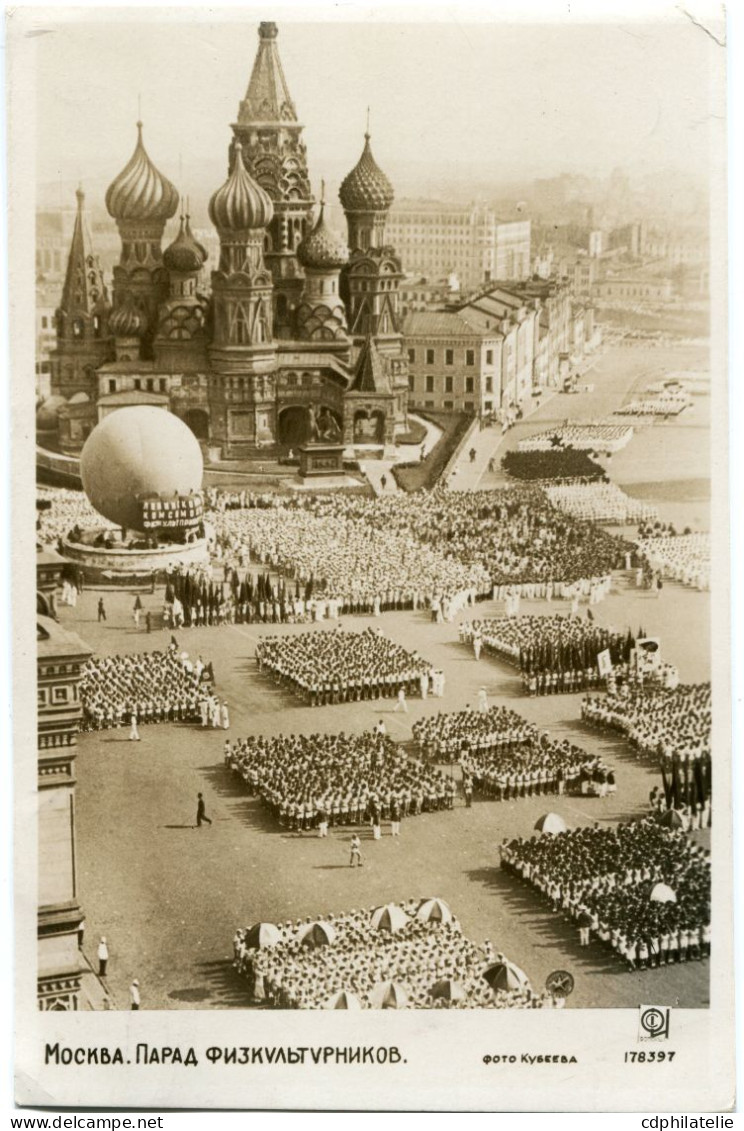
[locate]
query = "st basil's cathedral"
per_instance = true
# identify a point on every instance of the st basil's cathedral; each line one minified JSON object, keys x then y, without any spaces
{"x":299,"y":325}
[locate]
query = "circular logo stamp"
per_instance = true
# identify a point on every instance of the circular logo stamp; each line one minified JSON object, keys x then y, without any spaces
{"x":560,"y":983}
{"x":655,"y":1021}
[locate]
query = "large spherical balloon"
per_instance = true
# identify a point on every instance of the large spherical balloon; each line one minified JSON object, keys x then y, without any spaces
{"x":134,"y":451}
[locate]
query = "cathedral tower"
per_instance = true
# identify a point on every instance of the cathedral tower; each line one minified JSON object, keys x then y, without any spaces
{"x":141,"y":200}
{"x":243,"y":350}
{"x":321,"y":316}
{"x":371,"y":279}
{"x":274,"y":155}
{"x":180,"y":344}
{"x":83,"y":340}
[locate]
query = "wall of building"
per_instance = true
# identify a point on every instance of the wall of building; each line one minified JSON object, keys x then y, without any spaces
{"x":454,"y":374}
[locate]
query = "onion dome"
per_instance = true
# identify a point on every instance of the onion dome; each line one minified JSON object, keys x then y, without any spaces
{"x":366,"y":188}
{"x":185,"y":254}
{"x":322,"y":249}
{"x":127,"y":321}
{"x":46,"y":413}
{"x":140,"y":192}
{"x":240,"y":204}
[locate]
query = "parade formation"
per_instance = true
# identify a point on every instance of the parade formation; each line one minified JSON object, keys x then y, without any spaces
{"x":273,"y":655}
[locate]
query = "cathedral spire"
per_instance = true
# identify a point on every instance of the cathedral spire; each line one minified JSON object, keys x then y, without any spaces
{"x":84,"y":288}
{"x":267,"y":99}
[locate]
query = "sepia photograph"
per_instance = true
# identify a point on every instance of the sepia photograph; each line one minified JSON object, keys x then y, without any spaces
{"x":375,"y":463}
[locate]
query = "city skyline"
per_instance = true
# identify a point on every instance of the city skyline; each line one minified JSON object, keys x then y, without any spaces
{"x":186,"y":78}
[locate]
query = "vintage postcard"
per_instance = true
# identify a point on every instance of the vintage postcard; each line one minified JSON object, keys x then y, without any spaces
{"x":369,"y":451}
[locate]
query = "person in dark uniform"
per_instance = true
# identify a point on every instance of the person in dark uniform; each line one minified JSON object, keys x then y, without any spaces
{"x":201,"y":812}
{"x":101,"y":609}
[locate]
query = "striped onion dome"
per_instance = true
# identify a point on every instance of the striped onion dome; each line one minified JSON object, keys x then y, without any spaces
{"x":240,"y":204}
{"x":366,"y":188}
{"x":322,"y":248}
{"x":127,"y":321}
{"x":140,"y":192}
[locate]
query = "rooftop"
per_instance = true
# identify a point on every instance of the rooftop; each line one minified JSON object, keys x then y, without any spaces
{"x":442,"y":323}
{"x":54,"y":640}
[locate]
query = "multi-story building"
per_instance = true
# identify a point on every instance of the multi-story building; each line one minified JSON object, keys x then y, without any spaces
{"x":453,"y":365}
{"x":470,"y":241}
{"x":300,"y":326}
{"x":60,"y":657}
{"x":515,"y":316}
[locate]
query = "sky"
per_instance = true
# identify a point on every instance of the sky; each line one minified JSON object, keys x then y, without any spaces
{"x":452,"y":100}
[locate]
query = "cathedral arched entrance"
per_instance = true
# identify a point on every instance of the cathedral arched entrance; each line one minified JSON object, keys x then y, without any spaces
{"x":293,"y":426}
{"x":198,"y":421}
{"x":369,"y":427}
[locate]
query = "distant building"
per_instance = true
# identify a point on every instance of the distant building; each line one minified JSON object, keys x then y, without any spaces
{"x":47,"y":297}
{"x":470,"y":241}
{"x":418,"y":293}
{"x":53,"y":234}
{"x":633,"y":287}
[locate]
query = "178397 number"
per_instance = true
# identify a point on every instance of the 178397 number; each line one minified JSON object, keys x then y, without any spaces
{"x":657,"y":1056}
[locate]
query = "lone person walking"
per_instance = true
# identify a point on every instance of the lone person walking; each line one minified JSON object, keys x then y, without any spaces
{"x":201,"y":812}
{"x":356,"y":852}
{"x":133,"y":732}
{"x":136,"y":611}
{"x":101,"y":610}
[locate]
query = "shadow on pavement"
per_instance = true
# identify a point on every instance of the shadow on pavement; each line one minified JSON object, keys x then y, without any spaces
{"x":225,"y":988}
{"x":557,"y":931}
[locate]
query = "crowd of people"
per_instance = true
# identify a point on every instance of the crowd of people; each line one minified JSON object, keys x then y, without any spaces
{"x":194,"y":598}
{"x":341,"y":559}
{"x":61,"y":513}
{"x":317,"y":781}
{"x":657,"y":721}
{"x":429,"y":962}
{"x":333,"y":666}
{"x":554,"y":653}
{"x":557,"y":463}
{"x":413,"y":551}
{"x":640,"y":888}
{"x":672,"y":727}
{"x":670,"y":404}
{"x":505,"y":758}
{"x":588,"y":437}
{"x":600,"y":502}
{"x":682,"y":557}
{"x":144,"y":687}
